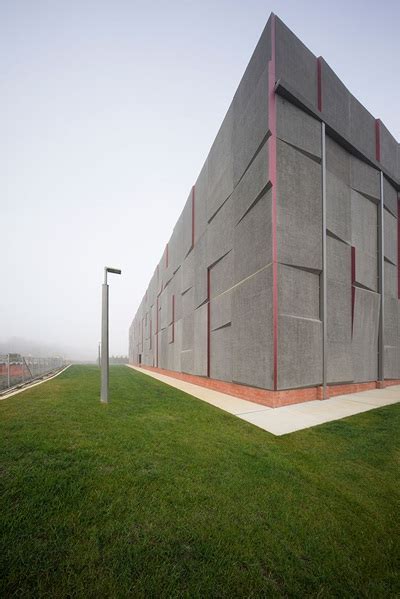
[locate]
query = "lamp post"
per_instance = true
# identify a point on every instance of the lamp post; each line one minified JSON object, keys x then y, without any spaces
{"x":104,"y":335}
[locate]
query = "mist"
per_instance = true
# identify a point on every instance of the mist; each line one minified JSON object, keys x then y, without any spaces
{"x":109,"y":111}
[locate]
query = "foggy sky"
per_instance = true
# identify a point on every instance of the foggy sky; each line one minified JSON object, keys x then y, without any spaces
{"x":108,"y":112}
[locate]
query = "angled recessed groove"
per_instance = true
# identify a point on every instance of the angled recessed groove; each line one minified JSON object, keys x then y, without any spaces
{"x":190,"y":250}
{"x":314,"y":271}
{"x":186,"y":290}
{"x":220,"y":208}
{"x":260,"y":147}
{"x":389,"y":261}
{"x":201,"y":304}
{"x":223,"y":326}
{"x":364,"y":287}
{"x":304,"y":152}
{"x":262,"y":193}
{"x":301,"y":317}
{"x":389,"y":209}
{"x":366,"y":196}
{"x":219,"y":259}
{"x":334,"y":236}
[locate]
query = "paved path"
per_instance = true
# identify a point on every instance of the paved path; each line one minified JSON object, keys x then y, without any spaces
{"x":280,"y":421}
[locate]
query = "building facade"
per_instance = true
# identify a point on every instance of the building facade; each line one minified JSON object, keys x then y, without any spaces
{"x":281,"y":277}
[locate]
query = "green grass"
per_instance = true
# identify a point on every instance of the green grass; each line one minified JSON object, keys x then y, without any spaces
{"x":160,"y":495}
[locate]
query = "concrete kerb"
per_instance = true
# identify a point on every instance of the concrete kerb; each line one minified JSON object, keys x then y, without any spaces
{"x":34,"y":384}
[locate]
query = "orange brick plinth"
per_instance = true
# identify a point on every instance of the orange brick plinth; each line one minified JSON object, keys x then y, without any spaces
{"x":266,"y":397}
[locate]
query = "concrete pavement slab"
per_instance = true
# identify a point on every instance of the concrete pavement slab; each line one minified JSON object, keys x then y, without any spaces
{"x":287,"y":419}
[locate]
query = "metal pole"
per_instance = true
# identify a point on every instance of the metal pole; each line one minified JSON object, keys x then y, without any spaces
{"x":324,"y":274}
{"x":381,"y":279}
{"x":8,"y":370}
{"x":99,"y":355}
{"x":104,"y":343}
{"x":104,"y":335}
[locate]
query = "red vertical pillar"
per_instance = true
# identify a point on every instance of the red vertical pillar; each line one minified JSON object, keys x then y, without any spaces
{"x":273,"y":181}
{"x":353,"y":279}
{"x":208,"y":321}
{"x":319,"y":83}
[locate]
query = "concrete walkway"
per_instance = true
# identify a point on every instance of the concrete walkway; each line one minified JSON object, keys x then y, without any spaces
{"x":288,"y":419}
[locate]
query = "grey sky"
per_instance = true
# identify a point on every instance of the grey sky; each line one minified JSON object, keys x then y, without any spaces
{"x":108,"y":112}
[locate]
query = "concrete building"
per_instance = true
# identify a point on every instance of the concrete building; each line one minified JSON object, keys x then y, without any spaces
{"x":281,"y":278}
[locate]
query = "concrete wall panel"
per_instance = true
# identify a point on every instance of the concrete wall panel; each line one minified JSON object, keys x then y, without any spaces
{"x":200,"y":341}
{"x":338,"y":193}
{"x":298,"y":128}
{"x":253,"y":182}
{"x":391,"y":326}
{"x":365,"y":335}
{"x":364,"y":178}
{"x":389,"y":197}
{"x":299,"y":352}
{"x":177,"y":346}
{"x":163,"y":351}
{"x":366,"y":270}
{"x":298,"y":292}
{"x":188,"y":302}
{"x":340,"y":363}
{"x":391,"y":288}
{"x":220,"y":233}
{"x":200,"y":271}
{"x":338,"y":160}
{"x":200,"y":203}
{"x":187,"y":227}
{"x":220,"y":166}
{"x":335,"y":101}
{"x":339,"y":312}
{"x":255,"y":69}
{"x":295,"y":64}
{"x":338,"y":261}
{"x":252,"y":357}
{"x":252,"y":241}
{"x":338,"y":207}
{"x":187,"y":361}
{"x":299,"y":228}
{"x":221,"y":310}
{"x":175,"y":248}
{"x":187,"y":272}
{"x":390,"y":237}
{"x":364,"y":223}
{"x":221,"y":275}
{"x":221,"y":354}
{"x":392,"y":370}
{"x":250,"y":126}
{"x":176,"y":289}
{"x":388,"y":147}
{"x":362,"y":128}
{"x":188,"y":332}
{"x":164,"y":302}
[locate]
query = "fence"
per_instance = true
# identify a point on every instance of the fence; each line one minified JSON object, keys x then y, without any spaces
{"x":16,"y":369}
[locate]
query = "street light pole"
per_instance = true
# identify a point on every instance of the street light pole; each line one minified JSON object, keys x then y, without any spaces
{"x":104,"y":335}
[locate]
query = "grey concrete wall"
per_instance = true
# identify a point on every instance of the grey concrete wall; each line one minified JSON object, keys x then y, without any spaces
{"x":208,"y":309}
{"x":218,"y":254}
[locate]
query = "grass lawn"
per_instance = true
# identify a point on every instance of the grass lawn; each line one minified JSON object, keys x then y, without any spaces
{"x":159,"y":494}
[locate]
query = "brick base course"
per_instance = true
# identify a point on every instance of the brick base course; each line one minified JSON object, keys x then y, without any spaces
{"x":273,"y":399}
